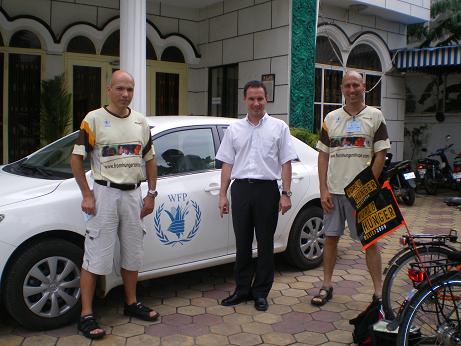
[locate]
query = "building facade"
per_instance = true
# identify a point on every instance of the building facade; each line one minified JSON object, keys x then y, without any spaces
{"x":433,"y":100}
{"x":199,"y":55}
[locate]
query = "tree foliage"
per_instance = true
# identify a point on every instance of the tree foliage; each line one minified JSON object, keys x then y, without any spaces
{"x":55,"y":116}
{"x":444,"y":27}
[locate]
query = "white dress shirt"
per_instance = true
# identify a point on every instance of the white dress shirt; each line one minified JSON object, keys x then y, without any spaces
{"x":257,"y":151}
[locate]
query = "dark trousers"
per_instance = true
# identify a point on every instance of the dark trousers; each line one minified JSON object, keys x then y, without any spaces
{"x":254,"y":210}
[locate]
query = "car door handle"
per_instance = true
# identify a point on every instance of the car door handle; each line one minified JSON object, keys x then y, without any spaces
{"x":297,"y":176}
{"x":213,"y":187}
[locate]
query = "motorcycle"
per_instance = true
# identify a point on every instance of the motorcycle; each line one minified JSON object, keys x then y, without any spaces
{"x":457,"y":170}
{"x":401,"y":178}
{"x":433,"y":173}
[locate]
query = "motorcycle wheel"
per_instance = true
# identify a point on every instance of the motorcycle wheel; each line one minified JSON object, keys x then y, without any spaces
{"x":430,"y":185}
{"x":409,"y":197}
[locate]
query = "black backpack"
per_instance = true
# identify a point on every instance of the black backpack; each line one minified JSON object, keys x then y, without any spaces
{"x":363,"y":323}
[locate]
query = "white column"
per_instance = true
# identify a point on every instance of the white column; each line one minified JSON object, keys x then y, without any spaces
{"x":133,"y":47}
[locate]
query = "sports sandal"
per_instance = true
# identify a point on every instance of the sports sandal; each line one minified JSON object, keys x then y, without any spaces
{"x":87,"y":324}
{"x":324,"y":295}
{"x":140,"y":311}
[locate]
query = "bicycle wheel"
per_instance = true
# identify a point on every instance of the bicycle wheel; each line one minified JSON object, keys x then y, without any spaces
{"x":397,"y":284}
{"x":433,"y":316}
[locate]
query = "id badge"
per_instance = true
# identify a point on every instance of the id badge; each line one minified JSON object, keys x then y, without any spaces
{"x":353,"y":126}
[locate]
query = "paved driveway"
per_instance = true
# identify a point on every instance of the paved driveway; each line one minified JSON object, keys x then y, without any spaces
{"x":191,"y":314}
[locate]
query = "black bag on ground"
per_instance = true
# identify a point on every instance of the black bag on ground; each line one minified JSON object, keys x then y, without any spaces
{"x":363,"y":323}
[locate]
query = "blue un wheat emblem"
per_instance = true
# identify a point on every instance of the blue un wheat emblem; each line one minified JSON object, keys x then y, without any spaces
{"x":177,"y":218}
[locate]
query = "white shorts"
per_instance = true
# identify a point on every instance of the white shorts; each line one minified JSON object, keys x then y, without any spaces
{"x":117,"y":215}
{"x":334,"y":221}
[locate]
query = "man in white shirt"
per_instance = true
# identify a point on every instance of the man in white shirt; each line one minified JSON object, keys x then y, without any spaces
{"x":256,"y":151}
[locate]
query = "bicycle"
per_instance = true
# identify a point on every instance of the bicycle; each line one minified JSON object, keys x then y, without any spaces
{"x":432,"y":315}
{"x":397,"y":283}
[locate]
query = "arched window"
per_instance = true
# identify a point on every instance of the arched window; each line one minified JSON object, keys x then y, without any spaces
{"x":327,"y":52}
{"x":150,"y":51}
{"x":25,"y":39}
{"x":364,"y":57}
{"x":172,"y":54}
{"x":81,"y":44}
{"x":112,"y":45}
{"x":328,"y":76}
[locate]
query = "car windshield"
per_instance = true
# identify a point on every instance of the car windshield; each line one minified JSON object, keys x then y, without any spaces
{"x":51,"y":162}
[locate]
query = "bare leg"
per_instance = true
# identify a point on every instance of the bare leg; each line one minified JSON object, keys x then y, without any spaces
{"x":373,"y":257}
{"x":87,"y":288}
{"x":130,"y":278}
{"x":329,"y":259}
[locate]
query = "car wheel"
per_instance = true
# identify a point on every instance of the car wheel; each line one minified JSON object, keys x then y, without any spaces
{"x":42,"y":288}
{"x":307,"y":239}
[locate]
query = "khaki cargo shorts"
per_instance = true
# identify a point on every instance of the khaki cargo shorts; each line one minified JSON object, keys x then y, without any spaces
{"x":117,"y":216}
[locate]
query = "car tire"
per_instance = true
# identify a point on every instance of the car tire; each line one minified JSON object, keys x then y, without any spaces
{"x":50,"y":272}
{"x":307,"y":238}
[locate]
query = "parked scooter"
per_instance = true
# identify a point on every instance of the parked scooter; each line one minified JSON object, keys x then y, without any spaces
{"x":401,"y":178}
{"x":434,"y":173}
{"x":457,"y":170}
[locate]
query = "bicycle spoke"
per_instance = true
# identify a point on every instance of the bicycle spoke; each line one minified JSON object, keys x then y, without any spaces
{"x":433,"y":316}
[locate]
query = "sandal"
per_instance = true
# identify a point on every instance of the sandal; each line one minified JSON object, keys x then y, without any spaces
{"x":140,"y":311}
{"x":87,"y":324}
{"x":324,"y":295}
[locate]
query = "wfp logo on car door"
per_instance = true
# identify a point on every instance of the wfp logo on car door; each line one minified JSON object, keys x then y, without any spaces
{"x":178,"y":221}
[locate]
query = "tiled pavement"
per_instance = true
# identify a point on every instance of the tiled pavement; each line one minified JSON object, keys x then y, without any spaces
{"x":191,"y":314}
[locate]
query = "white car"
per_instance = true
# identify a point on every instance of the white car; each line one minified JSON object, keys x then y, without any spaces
{"x":42,"y":228}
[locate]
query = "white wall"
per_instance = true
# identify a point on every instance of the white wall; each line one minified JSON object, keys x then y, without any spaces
{"x":255,"y":35}
{"x":417,"y":9}
{"x":393,"y":108}
{"x":353,"y":23}
{"x":58,"y":14}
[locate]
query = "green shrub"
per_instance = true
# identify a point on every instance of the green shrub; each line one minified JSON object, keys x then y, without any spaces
{"x":305,"y":136}
{"x":55,"y":112}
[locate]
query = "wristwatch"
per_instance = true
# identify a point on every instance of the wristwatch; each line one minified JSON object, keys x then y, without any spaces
{"x":287,"y":193}
{"x":153,"y":193}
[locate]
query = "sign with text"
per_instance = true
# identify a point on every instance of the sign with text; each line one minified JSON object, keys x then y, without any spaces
{"x":269,"y":82}
{"x":362,"y":188}
{"x":378,"y":213}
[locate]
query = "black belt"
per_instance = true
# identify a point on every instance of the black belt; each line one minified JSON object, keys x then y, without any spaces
{"x":254,"y":181}
{"x":124,"y":187}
